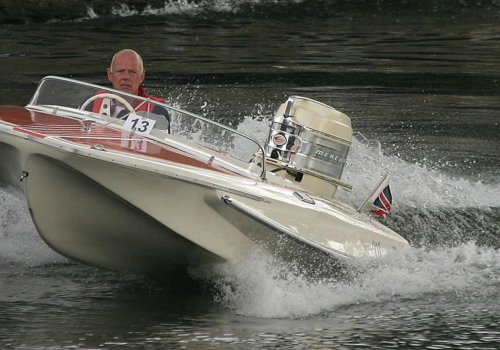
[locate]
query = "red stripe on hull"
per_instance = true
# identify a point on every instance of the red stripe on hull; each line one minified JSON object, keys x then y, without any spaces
{"x":44,"y":125}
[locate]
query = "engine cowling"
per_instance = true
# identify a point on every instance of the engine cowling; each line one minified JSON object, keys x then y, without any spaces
{"x":308,"y":143}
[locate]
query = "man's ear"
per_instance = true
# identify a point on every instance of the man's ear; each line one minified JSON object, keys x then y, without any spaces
{"x":109,"y":73}
{"x":143,"y":75}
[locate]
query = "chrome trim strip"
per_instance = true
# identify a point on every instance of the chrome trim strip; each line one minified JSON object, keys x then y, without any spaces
{"x":336,"y":182}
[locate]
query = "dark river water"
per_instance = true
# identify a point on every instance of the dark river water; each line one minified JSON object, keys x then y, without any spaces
{"x":422,"y":89}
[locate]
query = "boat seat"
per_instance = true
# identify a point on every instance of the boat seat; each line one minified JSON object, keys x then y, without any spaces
{"x":162,"y":122}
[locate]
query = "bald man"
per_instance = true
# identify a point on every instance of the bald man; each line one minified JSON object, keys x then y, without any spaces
{"x":127,"y":73}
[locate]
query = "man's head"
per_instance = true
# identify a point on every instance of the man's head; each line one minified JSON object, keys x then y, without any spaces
{"x":126,"y":72}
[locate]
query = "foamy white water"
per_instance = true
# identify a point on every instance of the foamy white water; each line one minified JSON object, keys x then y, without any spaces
{"x":187,"y":7}
{"x":257,"y":287}
{"x":262,"y":287}
{"x":413,"y":185}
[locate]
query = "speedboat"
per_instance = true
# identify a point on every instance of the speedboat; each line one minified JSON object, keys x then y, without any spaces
{"x":157,"y":188}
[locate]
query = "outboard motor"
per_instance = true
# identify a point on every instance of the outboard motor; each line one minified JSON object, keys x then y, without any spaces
{"x":308,"y":143}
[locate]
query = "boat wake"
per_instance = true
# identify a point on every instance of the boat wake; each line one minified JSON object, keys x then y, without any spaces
{"x":269,"y":8}
{"x":452,"y":224}
{"x":80,"y":10}
{"x":430,"y":208}
{"x":257,"y":287}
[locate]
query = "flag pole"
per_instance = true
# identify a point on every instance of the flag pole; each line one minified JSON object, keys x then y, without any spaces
{"x":376,"y":191}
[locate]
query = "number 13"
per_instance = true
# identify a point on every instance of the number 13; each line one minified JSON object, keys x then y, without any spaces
{"x":143,"y":128}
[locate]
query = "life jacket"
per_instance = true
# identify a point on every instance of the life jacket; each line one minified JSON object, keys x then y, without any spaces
{"x":103,"y":105}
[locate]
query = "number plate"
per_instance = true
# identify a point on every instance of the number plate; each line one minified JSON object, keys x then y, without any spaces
{"x":139,"y":125}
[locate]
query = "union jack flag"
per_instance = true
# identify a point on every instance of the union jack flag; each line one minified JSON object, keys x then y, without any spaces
{"x":383,"y":202}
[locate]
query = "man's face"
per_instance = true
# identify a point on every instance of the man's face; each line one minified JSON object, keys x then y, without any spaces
{"x":126,"y":73}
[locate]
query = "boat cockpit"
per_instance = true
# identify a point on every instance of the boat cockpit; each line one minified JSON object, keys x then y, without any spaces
{"x":188,"y":132}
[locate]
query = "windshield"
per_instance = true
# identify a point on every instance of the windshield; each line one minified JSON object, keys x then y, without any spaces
{"x":150,"y":118}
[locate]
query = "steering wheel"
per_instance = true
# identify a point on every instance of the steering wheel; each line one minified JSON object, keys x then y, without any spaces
{"x":109,"y":96}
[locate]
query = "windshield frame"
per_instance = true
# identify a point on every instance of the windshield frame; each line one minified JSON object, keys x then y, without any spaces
{"x":83,"y":114}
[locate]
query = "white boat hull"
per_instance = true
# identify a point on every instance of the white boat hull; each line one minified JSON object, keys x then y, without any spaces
{"x":125,"y":196}
{"x":96,"y":208}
